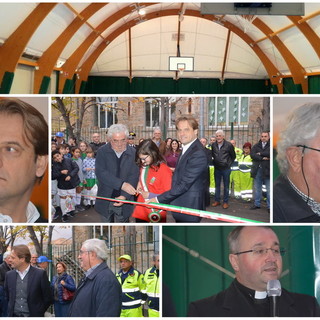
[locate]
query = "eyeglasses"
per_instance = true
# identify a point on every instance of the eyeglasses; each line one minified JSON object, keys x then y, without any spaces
{"x":261,"y":252}
{"x":81,"y":252}
{"x":145,"y":158}
{"x":306,"y":147}
{"x":122,"y":141}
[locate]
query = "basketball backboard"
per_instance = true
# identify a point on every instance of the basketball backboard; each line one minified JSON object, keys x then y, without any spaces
{"x":181,"y":63}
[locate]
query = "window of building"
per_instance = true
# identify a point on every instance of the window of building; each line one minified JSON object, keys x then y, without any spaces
{"x":149,"y":234}
{"x":222,"y":111}
{"x":155,"y":108}
{"x":107,"y":111}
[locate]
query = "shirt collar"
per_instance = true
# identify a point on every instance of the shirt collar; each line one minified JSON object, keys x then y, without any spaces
{"x":313,"y":204}
{"x":23,"y":273}
{"x":32,"y":214}
{"x":89,"y":271}
{"x":187,"y":146}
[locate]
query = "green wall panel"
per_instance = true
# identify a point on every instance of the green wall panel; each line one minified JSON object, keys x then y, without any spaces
{"x":153,"y":85}
{"x":83,"y":87}
{"x":44,"y":85}
{"x":121,"y":85}
{"x":314,"y":84}
{"x":6,"y":82}
{"x":103,"y":85}
{"x":290,"y":88}
{"x":68,"y":86}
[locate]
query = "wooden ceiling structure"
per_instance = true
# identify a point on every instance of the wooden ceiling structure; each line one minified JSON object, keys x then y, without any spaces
{"x":97,"y":38}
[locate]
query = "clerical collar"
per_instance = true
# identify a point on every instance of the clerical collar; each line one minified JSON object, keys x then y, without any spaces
{"x":259,"y":295}
{"x":313,"y":204}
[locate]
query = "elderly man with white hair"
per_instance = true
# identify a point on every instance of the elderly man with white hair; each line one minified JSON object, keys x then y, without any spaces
{"x":117,"y":175}
{"x":223,"y":155}
{"x":296,"y":191}
{"x":99,"y":292}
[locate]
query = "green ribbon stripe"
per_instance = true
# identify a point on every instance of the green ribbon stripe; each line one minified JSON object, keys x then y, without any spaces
{"x":194,"y":212}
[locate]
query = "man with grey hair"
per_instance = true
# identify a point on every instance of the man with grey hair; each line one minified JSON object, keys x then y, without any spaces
{"x":223,"y":155}
{"x":117,"y":175}
{"x":296,"y":191}
{"x":156,"y":138}
{"x":99,"y":292}
{"x":96,"y":143}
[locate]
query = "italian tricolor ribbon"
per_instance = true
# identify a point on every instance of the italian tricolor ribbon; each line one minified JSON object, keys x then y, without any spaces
{"x":194,"y":212}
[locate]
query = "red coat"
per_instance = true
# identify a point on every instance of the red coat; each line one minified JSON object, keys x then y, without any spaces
{"x":158,"y":181}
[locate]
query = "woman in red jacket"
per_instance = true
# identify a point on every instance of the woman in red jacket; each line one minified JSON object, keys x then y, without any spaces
{"x":155,"y":178}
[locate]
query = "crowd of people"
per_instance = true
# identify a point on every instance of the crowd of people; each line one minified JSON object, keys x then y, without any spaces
{"x":181,"y":172}
{"x":25,"y":289}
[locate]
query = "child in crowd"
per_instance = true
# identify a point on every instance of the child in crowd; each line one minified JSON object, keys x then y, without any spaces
{"x":76,"y":157}
{"x":83,"y":147}
{"x":155,"y":178}
{"x":64,"y":150}
{"x":54,"y":191}
{"x":88,"y":168}
{"x":66,"y":172}
{"x":53,"y":146}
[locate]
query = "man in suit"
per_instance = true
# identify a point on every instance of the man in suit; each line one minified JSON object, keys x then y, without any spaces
{"x":189,"y":180}
{"x":256,"y":257}
{"x":99,"y":292}
{"x":117,"y":175}
{"x":27,"y":288}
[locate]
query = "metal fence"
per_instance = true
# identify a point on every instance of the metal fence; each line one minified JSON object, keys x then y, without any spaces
{"x":242,"y":134}
{"x":141,"y":251}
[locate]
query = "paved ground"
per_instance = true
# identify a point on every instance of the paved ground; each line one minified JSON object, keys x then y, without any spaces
{"x":237,"y":208}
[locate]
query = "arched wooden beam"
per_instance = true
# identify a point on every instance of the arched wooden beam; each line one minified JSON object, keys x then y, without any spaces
{"x":307,"y":31}
{"x":73,"y":61}
{"x":86,"y":67}
{"x":14,"y":46}
{"x":225,"y":55}
{"x":296,"y":69}
{"x":49,"y":58}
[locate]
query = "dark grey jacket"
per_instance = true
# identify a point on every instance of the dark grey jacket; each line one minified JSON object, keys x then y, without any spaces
{"x":98,"y":296}
{"x":257,"y":161}
{"x":72,"y":167}
{"x":106,"y":169}
{"x":288,"y":206}
{"x":223,"y":157}
{"x":39,"y":292}
{"x":189,"y":182}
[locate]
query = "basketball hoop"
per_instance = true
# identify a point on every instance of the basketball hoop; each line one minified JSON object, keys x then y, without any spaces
{"x":181,"y":70}
{"x":246,"y":21}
